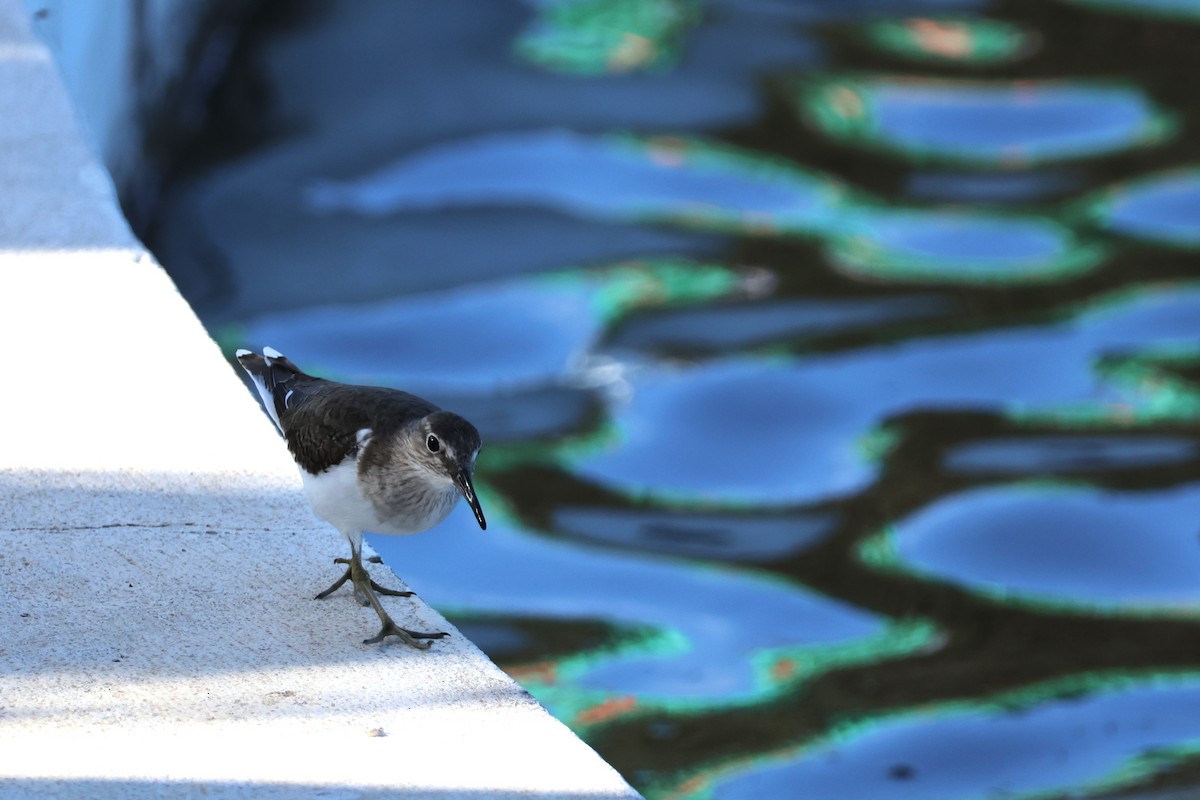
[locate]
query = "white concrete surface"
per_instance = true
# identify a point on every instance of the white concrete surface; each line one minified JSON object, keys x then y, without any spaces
{"x":157,"y":636}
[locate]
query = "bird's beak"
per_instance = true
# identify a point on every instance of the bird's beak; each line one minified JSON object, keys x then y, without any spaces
{"x":468,"y":491}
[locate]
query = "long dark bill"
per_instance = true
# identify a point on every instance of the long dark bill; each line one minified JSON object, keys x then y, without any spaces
{"x":468,"y":491}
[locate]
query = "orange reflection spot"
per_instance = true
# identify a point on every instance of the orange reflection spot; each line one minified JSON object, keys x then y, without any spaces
{"x":784,"y":669}
{"x":634,"y":51}
{"x":608,"y":710}
{"x":950,"y":39}
{"x":667,"y":152}
{"x":846,"y":102}
{"x":691,"y":786}
{"x":537,"y":672}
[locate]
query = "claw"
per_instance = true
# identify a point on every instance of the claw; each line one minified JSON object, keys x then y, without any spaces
{"x":348,"y":576}
{"x":410,"y":638}
{"x":364,"y":591}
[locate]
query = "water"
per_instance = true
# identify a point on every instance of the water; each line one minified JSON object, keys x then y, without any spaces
{"x":838,"y":364}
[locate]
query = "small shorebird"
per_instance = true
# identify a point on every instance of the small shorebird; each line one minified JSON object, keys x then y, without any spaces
{"x":371,"y":459}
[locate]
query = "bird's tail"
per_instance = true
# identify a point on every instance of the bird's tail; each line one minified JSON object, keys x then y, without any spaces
{"x":271,"y":373}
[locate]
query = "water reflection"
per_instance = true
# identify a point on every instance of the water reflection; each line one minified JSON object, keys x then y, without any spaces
{"x":712,"y":330}
{"x":1070,"y":455}
{"x":734,"y":288}
{"x":1181,"y":9}
{"x":784,"y":432}
{"x":525,"y":332}
{"x":983,"y":123}
{"x":1090,"y":549}
{"x":589,"y":37}
{"x":1067,"y":747}
{"x":667,"y":179}
{"x":712,"y":623}
{"x":716,"y":536}
{"x":962,"y":40}
{"x":962,"y":247}
{"x":991,"y":187}
{"x":1165,"y":208}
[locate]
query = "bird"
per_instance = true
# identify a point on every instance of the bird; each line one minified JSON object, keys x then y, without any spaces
{"x":371,"y":458}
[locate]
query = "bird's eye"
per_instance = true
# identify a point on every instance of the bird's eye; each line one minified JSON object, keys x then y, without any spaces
{"x":433,"y":444}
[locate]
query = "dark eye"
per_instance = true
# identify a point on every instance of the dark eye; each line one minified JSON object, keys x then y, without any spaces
{"x":433,"y":444}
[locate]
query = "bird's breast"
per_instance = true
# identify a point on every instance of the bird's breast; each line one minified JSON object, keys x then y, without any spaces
{"x":407,"y":498}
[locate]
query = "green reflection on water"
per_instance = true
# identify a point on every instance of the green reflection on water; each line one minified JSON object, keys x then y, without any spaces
{"x":956,"y":39}
{"x":660,"y":283}
{"x":815,"y":204}
{"x":877,"y":444}
{"x":1162,"y":376}
{"x":699,"y":784}
{"x":594,"y":37}
{"x":1160,"y":385}
{"x":778,"y":671}
{"x":984,"y":124}
{"x":1162,"y":208}
{"x":865,"y":253}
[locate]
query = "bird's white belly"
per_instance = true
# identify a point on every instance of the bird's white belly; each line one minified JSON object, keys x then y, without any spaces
{"x":337,"y":496}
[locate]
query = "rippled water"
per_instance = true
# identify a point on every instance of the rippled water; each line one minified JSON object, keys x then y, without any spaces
{"x":838,"y":363}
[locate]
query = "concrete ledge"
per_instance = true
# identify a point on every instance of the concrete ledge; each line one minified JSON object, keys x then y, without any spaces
{"x":157,"y":560}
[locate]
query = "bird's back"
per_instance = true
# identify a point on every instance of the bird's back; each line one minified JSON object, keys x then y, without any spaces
{"x":321,"y":419}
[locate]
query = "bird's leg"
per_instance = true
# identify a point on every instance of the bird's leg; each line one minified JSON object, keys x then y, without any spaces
{"x":363,"y":588}
{"x":338,"y":583}
{"x":347,"y":576}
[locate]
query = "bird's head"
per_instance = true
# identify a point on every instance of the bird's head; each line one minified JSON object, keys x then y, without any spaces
{"x":446,"y":445}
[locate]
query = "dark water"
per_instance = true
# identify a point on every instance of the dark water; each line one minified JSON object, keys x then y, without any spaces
{"x":838,"y":362}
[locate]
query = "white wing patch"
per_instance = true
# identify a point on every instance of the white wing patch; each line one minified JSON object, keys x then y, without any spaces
{"x":267,"y":400}
{"x":362,"y":437}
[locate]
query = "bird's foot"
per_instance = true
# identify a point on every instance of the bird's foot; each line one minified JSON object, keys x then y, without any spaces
{"x":365,"y":590}
{"x":359,"y":595}
{"x":410,"y":638}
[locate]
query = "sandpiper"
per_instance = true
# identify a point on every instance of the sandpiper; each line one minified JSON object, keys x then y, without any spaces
{"x":371,"y":459}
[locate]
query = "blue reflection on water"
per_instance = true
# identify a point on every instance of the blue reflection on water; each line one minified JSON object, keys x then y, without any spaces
{"x":786,"y":432}
{"x":961,"y":246}
{"x":1033,"y":455}
{"x":1059,"y":746}
{"x":731,"y":326}
{"x":985,"y":187}
{"x":521,"y":332}
{"x":610,"y":177}
{"x":1014,"y":122}
{"x":1166,"y":208}
{"x":1079,"y":545}
{"x":969,"y":237}
{"x":718,"y":536}
{"x":725,"y":615}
